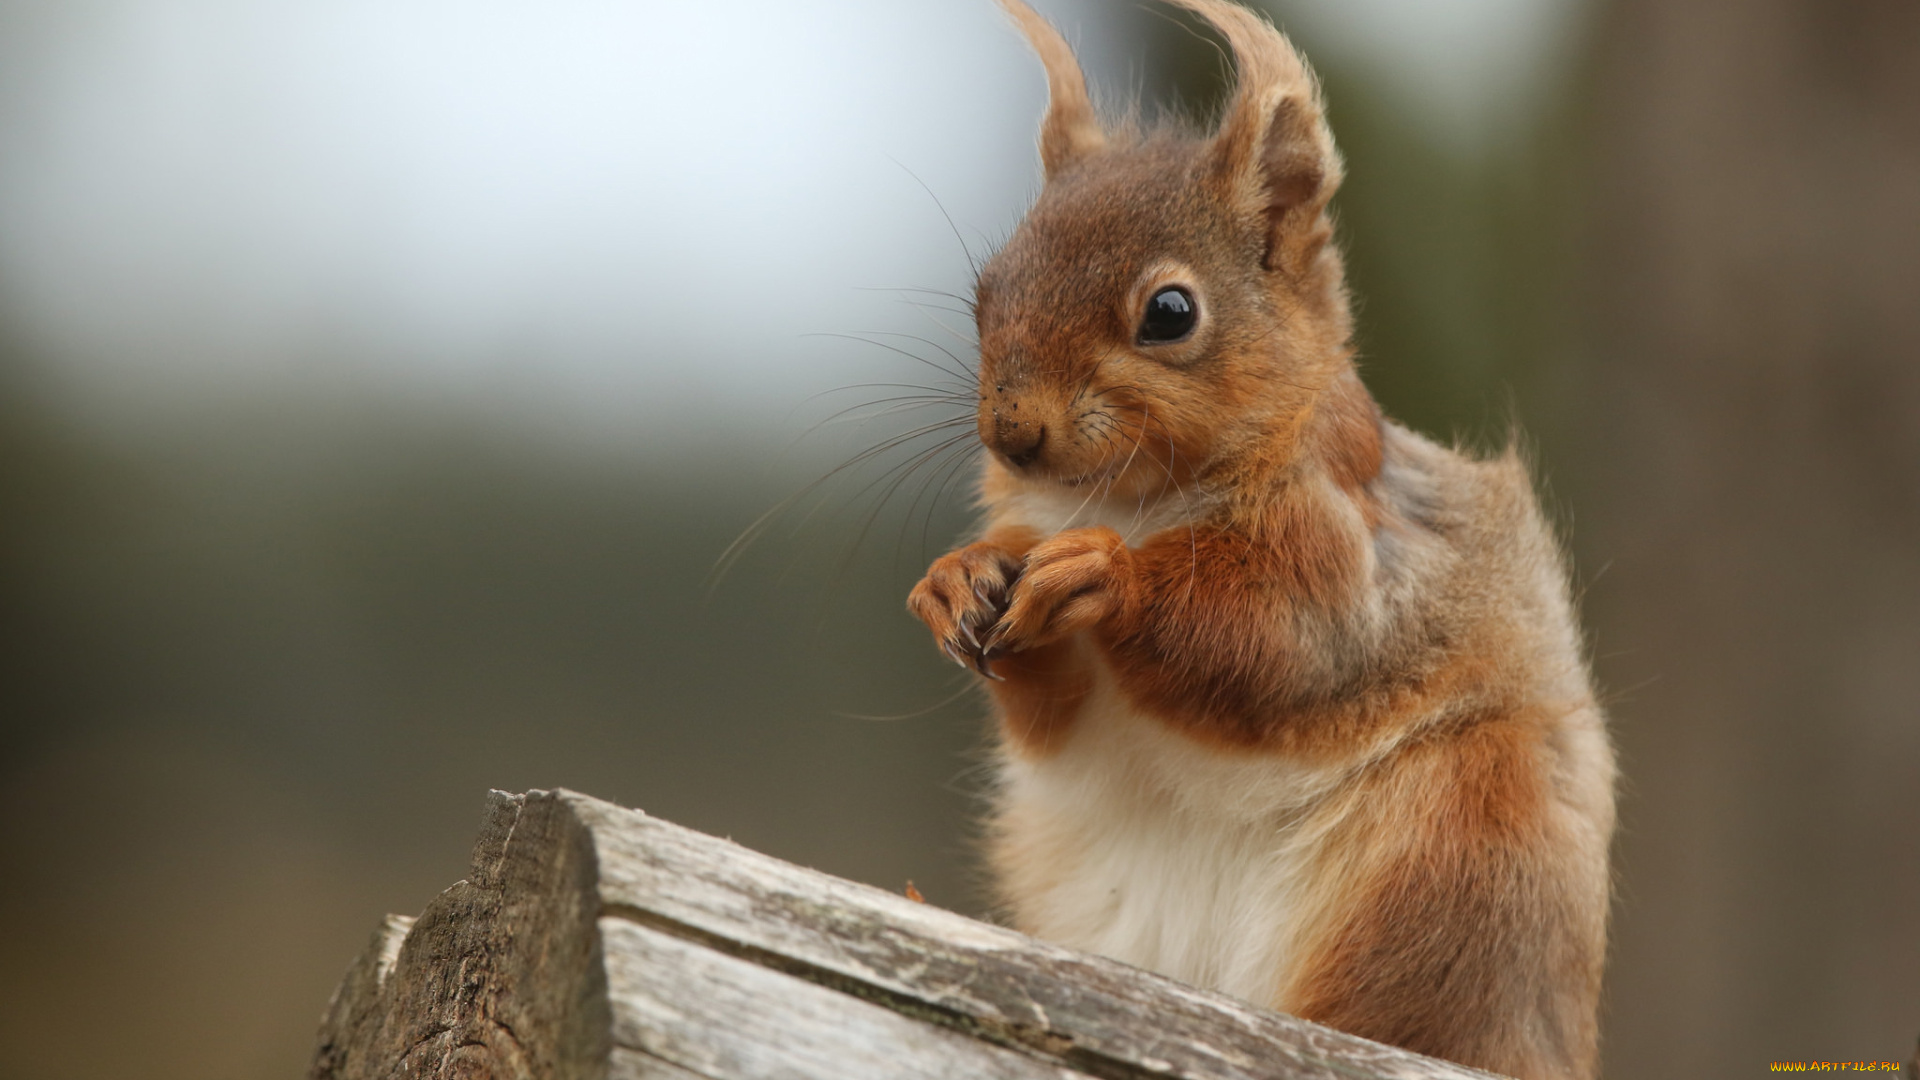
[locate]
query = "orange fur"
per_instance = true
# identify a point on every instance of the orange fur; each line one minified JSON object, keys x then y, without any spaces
{"x":1041,"y":694}
{"x":1458,"y":833}
{"x":1292,"y":700}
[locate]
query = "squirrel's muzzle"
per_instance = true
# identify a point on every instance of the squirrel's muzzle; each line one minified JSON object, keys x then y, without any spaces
{"x":1018,"y":441}
{"x":1017,"y":435}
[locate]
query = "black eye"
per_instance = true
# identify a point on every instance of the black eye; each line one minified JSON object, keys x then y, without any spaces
{"x":1170,"y":316}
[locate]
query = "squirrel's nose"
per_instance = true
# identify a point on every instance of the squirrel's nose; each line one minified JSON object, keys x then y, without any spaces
{"x":1018,"y":441}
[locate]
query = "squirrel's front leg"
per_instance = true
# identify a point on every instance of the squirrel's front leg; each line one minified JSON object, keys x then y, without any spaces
{"x":1005,"y":607}
{"x":965,"y":593}
{"x":1071,"y":582}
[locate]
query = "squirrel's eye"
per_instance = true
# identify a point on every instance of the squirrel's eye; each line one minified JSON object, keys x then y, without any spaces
{"x":1170,"y":316}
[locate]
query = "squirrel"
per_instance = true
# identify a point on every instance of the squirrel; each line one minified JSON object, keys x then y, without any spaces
{"x":1292,"y":702}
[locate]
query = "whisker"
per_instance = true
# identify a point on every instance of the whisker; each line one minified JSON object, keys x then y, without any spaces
{"x":733,"y":551}
{"x":926,"y":308}
{"x":972,"y":341}
{"x":967,"y":686}
{"x":960,"y":462}
{"x":972,"y":263}
{"x":966,"y":301}
{"x":967,"y":396}
{"x":958,"y":455}
{"x":963,"y":376}
{"x":928,"y":393}
{"x":931,"y":343}
{"x":906,"y":405}
{"x":899,"y":476}
{"x":1128,"y":464}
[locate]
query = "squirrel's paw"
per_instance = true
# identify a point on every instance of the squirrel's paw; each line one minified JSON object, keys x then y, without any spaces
{"x":962,"y":596}
{"x":1071,"y":582}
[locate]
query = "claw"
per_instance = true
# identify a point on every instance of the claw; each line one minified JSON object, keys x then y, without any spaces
{"x":966,"y":630}
{"x":990,"y":648}
{"x":980,"y":665}
{"x":954,"y":654}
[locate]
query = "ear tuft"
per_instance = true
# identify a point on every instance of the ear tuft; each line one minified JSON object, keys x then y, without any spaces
{"x":1070,"y":131}
{"x":1273,"y":148}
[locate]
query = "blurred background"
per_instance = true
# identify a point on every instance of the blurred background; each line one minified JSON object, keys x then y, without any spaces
{"x":381,"y":382}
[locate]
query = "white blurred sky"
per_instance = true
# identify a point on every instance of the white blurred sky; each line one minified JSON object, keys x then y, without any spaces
{"x":629,"y":214}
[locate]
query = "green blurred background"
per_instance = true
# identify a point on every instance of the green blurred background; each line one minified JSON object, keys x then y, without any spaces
{"x":368,"y":444}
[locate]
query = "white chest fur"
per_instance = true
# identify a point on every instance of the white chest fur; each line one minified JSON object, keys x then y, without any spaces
{"x":1137,"y":842}
{"x":1150,"y":848}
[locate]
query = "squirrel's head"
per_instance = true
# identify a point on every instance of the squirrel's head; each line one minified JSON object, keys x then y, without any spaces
{"x":1172,"y":300}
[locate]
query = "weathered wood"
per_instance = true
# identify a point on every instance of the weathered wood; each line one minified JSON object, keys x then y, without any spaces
{"x":726,"y":1017}
{"x":359,"y":995}
{"x":500,"y":976}
{"x":592,"y":941}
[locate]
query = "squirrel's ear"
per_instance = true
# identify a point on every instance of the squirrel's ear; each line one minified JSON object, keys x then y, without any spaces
{"x":1273,"y":152}
{"x":1070,"y":131}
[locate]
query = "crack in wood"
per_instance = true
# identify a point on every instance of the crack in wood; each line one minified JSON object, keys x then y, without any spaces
{"x":1053,"y":1046}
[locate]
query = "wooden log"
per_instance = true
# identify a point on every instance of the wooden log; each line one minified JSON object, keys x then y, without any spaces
{"x":596,"y":942}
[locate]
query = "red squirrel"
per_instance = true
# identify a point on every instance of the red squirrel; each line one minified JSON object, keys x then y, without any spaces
{"x":1292,"y":702}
